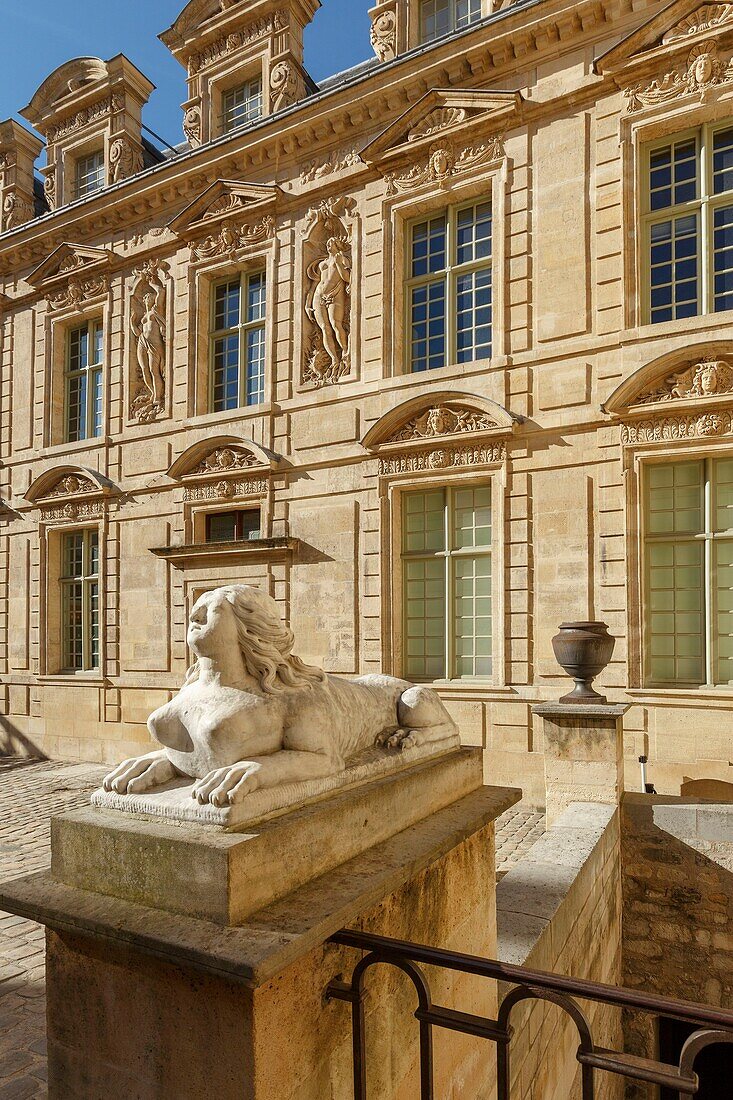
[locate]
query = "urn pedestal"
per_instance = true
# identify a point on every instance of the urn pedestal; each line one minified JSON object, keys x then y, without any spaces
{"x":187,"y":960}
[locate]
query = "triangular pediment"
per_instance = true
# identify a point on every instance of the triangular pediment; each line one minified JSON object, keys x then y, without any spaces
{"x":438,"y":417}
{"x":683,"y":24}
{"x":70,"y":259}
{"x":442,"y":113}
{"x":222,"y":201}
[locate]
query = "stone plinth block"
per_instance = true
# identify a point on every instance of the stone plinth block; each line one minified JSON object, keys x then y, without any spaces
{"x":583,"y":754}
{"x":221,"y":993}
{"x":224,"y":876}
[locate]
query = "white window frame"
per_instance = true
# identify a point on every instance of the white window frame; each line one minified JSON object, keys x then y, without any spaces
{"x":88,"y":581}
{"x":704,"y":207}
{"x":708,"y":537}
{"x":93,"y":371}
{"x":95,"y":182}
{"x":450,"y":274}
{"x":253,"y":92}
{"x":242,"y":329}
{"x":455,"y":24}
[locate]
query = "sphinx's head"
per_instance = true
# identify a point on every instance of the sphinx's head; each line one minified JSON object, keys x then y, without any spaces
{"x":240,"y":615}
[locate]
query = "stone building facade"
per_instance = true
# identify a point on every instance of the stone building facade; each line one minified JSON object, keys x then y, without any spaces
{"x":440,"y":353}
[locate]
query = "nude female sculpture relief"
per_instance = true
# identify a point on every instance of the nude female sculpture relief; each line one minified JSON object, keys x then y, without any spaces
{"x":328,"y":305}
{"x":252,"y":716}
{"x":147,"y":321}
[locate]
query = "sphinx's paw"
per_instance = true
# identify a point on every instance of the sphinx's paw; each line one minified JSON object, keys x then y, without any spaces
{"x":139,"y":774}
{"x":228,"y":786}
{"x":402,"y":739}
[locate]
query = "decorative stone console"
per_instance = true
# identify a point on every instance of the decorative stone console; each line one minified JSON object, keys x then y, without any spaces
{"x":583,"y":754}
{"x":186,"y":959}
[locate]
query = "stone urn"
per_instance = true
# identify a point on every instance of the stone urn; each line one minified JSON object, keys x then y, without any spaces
{"x":583,"y":650}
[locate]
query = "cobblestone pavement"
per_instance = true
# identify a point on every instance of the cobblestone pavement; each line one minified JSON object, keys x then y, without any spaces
{"x":30,"y":792}
{"x":516,"y":832}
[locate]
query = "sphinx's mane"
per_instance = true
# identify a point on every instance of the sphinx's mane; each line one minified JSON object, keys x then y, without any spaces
{"x":266,"y":644}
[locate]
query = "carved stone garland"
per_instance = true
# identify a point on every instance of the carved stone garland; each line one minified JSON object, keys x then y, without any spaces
{"x":703,"y":72}
{"x":78,"y":291}
{"x":328,"y":256}
{"x":148,"y":300}
{"x":224,"y":462}
{"x":707,"y":378}
{"x":231,"y":239}
{"x":442,"y":458}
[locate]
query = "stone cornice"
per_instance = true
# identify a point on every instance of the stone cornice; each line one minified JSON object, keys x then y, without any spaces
{"x":518,"y":36}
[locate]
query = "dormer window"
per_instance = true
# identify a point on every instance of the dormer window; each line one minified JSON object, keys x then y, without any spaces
{"x":89,"y":174}
{"x":241,"y":105}
{"x":439,"y":17}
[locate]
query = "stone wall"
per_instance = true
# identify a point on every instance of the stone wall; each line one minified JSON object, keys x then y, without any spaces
{"x":677,"y":875}
{"x":559,"y":910}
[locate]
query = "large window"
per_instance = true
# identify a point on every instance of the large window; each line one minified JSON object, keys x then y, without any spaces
{"x":89,"y":174}
{"x":80,"y":600}
{"x":689,"y":225}
{"x":449,"y":301}
{"x":238,"y":342}
{"x":688,"y":552}
{"x":241,"y":104}
{"x":84,"y":352}
{"x":438,"y":17}
{"x":446,"y":576}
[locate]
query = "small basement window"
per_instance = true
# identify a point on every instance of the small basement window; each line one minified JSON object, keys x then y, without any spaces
{"x":240,"y":525}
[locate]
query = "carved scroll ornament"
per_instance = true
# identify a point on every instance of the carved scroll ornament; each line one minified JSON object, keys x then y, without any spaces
{"x":283,"y":85}
{"x":677,"y":427}
{"x":148,"y":325}
{"x":704,"y":71}
{"x":383,"y":35}
{"x":78,"y":292}
{"x":125,"y":159}
{"x":192,"y":126}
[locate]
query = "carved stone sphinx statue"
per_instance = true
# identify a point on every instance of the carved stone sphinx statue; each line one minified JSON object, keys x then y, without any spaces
{"x":252,"y":717}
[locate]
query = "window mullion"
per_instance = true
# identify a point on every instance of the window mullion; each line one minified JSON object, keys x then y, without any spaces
{"x":709,"y":594}
{"x":450,"y":645}
{"x":451,"y":298}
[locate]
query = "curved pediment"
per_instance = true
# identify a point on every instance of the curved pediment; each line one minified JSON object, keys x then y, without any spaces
{"x":66,"y":81}
{"x":222,"y":455}
{"x":68,"y":482}
{"x":685,"y":380}
{"x":442,"y":415}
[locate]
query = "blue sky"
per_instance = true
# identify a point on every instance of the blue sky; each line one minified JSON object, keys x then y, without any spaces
{"x":38,"y":35}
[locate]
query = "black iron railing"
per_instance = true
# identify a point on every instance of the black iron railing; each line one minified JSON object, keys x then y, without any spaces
{"x":711,"y":1025}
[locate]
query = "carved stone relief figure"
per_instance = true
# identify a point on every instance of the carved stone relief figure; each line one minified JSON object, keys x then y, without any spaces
{"x":328,"y":302}
{"x":706,"y":17}
{"x":148,"y":325}
{"x":442,"y":420}
{"x":227,"y":458}
{"x":252,"y":716}
{"x":704,"y":379}
{"x":704,"y":71}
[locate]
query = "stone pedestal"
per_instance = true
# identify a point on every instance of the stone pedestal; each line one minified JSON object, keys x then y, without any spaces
{"x":185,"y":960}
{"x":583,"y":754}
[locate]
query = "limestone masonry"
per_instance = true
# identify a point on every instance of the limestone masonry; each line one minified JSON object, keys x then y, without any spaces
{"x":438,"y":354}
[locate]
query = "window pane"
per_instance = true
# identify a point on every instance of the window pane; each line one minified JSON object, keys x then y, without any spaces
{"x":424,"y":596}
{"x":242,"y":104}
{"x":722,"y":161}
{"x":473,"y":316}
{"x":429,"y":247}
{"x":428,"y":326}
{"x":436,"y":18}
{"x":673,"y":174}
{"x":675,"y":498}
{"x":723,"y":572}
{"x":676,"y":631}
{"x":256,"y":297}
{"x":472,"y":616}
{"x":471,"y":518}
{"x":76,"y":407}
{"x":424,"y":521}
{"x":89,"y":174}
{"x":226,"y":373}
{"x":255,"y":366}
{"x":674,"y":269}
{"x":723,"y":495}
{"x":473,"y":233}
{"x":723,"y":258}
{"x":226,"y":306}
